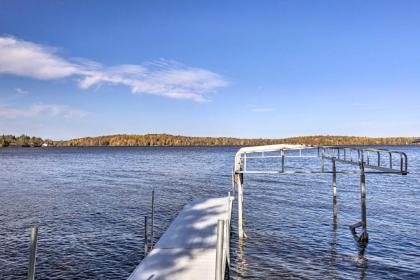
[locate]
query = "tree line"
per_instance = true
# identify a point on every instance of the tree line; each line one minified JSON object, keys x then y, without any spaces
{"x":175,"y":140}
{"x":20,"y":141}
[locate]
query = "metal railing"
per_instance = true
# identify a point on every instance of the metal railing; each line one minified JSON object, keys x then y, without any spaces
{"x":383,"y":161}
{"x":280,"y":152}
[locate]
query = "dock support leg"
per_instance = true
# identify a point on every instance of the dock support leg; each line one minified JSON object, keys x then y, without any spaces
{"x":32,"y":253}
{"x":239,"y":182}
{"x":282,"y":161}
{"x":363,"y":238}
{"x":334,"y":186}
{"x":219,"y":249}
{"x":152,"y":239}
{"x":146,"y":239}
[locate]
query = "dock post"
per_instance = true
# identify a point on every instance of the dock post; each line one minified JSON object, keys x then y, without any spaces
{"x":322,"y":161}
{"x":233,"y":183}
{"x":146,"y":243}
{"x":219,"y":250}
{"x":239,"y":181}
{"x":228,"y":230}
{"x":364,"y":236}
{"x":152,"y":221}
{"x":282,"y":161}
{"x":334,"y":186}
{"x":32,"y":253}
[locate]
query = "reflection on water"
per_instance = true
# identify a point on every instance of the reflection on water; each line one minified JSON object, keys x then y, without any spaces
{"x":89,"y":204}
{"x":362,"y":260}
{"x":240,"y":261}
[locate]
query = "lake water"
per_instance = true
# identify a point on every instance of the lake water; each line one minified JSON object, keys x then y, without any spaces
{"x":90,"y":203}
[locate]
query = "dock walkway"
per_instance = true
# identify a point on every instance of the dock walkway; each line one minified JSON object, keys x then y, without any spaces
{"x":187,"y":250}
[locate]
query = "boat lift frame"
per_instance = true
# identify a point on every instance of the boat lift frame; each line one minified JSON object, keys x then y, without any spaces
{"x":369,"y":161}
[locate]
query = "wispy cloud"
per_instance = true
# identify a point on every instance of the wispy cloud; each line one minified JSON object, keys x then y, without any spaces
{"x":9,"y":112}
{"x":262,"y":109}
{"x":21,"y":91}
{"x":163,"y":78}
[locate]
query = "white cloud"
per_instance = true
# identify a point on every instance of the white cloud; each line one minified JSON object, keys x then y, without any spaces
{"x":9,"y":112}
{"x":21,"y":91}
{"x":163,"y":78}
{"x":262,"y":110}
{"x":27,"y":59}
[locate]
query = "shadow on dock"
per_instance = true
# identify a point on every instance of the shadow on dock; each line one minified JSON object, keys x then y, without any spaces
{"x":188,"y":247}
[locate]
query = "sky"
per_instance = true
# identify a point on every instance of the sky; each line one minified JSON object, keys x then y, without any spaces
{"x":255,"y":69}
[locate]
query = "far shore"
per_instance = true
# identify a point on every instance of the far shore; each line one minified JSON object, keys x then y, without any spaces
{"x":167,"y":140}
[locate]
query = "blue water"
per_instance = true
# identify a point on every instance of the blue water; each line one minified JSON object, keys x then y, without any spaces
{"x":90,"y":203}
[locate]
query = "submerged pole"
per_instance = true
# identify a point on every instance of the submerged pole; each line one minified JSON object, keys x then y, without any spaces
{"x":219,"y":249}
{"x":227,"y":242}
{"x":153,"y":221}
{"x":32,"y":253}
{"x":146,"y":243}
{"x":239,"y":181}
{"x":229,"y":206}
{"x":334,"y":186}
{"x":282,"y":161}
{"x":364,"y":236}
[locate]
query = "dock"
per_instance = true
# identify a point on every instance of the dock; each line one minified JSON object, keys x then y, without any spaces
{"x":187,"y":250}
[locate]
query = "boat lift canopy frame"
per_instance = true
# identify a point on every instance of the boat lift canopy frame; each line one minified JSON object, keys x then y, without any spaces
{"x":369,"y":160}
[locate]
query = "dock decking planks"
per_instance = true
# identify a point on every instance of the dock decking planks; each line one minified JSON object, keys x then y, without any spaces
{"x":187,"y":250}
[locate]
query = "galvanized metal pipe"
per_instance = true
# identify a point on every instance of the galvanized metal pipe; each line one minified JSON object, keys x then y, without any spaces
{"x":227,"y":226}
{"x":228,"y":230}
{"x":153,"y":221}
{"x":219,"y":250}
{"x":364,"y":235}
{"x":334,"y":187}
{"x":229,"y":205}
{"x":401,"y":164}
{"x":390,"y":160}
{"x":146,"y":242}
{"x":233,"y":183}
{"x":240,"y":205}
{"x":32,"y":253}
{"x":282,"y":160}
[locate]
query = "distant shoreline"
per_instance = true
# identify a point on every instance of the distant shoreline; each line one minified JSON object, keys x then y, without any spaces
{"x":227,"y":146}
{"x":167,"y":140}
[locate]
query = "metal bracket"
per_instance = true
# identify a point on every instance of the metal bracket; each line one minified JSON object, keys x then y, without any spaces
{"x":363,"y":238}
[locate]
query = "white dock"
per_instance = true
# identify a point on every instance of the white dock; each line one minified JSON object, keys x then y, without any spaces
{"x":187,"y":250}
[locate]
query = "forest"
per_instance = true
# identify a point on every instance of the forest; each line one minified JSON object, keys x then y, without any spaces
{"x":21,"y":141}
{"x":132,"y":140}
{"x":174,"y":140}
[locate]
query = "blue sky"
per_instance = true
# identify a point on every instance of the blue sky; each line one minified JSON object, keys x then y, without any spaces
{"x":216,"y":68}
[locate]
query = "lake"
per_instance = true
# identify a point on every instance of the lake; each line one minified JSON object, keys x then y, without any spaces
{"x":89,"y":204}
